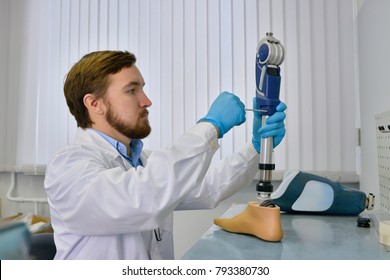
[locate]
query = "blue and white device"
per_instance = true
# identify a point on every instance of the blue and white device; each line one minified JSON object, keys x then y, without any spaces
{"x":270,"y":54}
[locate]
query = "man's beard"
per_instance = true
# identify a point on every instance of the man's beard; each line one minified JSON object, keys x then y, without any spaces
{"x":141,"y":130}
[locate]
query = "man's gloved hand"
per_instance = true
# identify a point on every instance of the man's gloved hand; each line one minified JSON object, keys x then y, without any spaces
{"x":225,"y":112}
{"x":274,"y":126}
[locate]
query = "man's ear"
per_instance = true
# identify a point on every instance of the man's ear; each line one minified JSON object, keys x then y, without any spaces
{"x":93,"y":104}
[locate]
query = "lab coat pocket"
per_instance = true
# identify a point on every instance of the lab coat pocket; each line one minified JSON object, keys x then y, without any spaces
{"x":162,"y":241}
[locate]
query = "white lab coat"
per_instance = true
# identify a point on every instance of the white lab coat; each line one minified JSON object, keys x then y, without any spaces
{"x":103,"y":208}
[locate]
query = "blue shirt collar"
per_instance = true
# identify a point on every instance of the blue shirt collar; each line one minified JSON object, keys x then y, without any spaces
{"x":136,"y":146}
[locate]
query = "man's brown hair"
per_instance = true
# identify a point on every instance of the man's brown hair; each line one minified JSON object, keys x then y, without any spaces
{"x":91,"y":75}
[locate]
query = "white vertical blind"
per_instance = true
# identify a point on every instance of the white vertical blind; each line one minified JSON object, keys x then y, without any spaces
{"x":189,"y":51}
{"x":4,"y":33}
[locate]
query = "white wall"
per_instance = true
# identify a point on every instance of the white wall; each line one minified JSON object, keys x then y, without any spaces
{"x":374,"y":59}
{"x":27,"y":186}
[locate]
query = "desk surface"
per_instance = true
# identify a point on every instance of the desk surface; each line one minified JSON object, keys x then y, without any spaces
{"x":305,"y":237}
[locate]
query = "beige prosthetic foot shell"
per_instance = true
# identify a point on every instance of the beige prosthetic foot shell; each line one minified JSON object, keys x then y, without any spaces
{"x":262,"y":222}
{"x":384,"y":232}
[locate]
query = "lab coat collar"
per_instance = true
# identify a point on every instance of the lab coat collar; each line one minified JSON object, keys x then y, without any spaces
{"x":91,"y":138}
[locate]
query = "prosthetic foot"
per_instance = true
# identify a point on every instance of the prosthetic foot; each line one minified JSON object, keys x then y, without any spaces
{"x":262,"y":222}
{"x":302,"y":192}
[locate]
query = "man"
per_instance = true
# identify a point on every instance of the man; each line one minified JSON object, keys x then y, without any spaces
{"x":109,"y":198}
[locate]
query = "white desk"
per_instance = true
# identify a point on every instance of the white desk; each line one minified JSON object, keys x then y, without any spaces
{"x":305,"y":237}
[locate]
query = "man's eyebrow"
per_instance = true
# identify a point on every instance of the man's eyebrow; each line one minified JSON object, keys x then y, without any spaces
{"x":134,"y":83}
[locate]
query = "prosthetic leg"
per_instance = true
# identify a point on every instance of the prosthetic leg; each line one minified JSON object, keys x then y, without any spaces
{"x":302,"y":192}
{"x":262,"y":219}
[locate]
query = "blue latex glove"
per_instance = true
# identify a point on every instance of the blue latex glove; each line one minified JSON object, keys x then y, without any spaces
{"x":225,"y":112}
{"x":274,"y":126}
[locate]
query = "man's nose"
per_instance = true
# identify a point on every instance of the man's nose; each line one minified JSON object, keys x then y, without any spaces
{"x":145,"y":101}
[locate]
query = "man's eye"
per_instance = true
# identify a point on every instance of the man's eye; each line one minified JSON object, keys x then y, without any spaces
{"x":131,"y":91}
